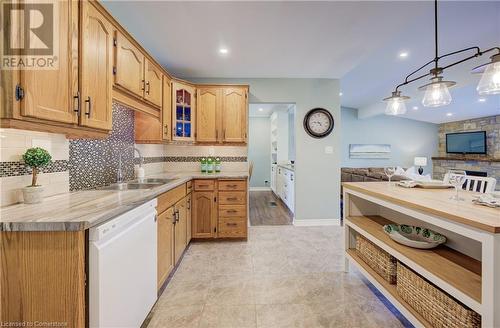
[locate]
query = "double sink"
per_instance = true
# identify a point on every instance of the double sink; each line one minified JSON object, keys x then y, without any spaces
{"x":148,"y":183}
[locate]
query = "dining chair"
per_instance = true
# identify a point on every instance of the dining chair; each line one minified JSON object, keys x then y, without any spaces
{"x":474,"y":183}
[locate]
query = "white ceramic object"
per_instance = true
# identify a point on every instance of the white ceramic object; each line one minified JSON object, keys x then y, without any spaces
{"x":32,"y":195}
{"x":433,"y":184}
{"x":415,"y":237}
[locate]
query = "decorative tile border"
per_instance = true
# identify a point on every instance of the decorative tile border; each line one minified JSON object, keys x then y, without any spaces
{"x":13,"y":169}
{"x":188,"y":159}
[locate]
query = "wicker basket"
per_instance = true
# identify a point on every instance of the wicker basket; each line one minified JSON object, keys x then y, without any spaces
{"x":439,"y":309}
{"x":379,"y":260}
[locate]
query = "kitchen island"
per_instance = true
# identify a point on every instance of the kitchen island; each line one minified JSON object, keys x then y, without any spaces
{"x":467,"y":268}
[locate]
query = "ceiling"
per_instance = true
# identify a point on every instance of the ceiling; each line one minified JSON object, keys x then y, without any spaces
{"x":355,"y":41}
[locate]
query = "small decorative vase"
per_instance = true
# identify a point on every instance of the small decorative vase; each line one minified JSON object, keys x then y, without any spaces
{"x":32,"y":195}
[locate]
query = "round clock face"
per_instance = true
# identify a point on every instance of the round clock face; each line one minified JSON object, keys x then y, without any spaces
{"x":318,"y":123}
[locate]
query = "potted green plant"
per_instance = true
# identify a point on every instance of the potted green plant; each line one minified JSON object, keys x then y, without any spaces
{"x":35,"y":158}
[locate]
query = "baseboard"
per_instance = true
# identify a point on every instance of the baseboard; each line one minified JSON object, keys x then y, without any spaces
{"x":260,"y":188}
{"x":316,"y":222}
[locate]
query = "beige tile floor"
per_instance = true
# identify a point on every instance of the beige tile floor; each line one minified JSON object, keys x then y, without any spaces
{"x":283,"y":276}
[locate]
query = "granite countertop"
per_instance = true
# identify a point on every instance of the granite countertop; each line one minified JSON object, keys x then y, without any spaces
{"x":82,"y":210}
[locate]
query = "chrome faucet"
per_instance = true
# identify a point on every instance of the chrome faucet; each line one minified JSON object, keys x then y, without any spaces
{"x":119,"y":174}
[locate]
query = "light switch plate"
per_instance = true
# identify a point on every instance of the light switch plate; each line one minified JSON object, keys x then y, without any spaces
{"x":328,"y":150}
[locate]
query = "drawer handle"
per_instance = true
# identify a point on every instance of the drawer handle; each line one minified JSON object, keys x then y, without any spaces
{"x":232,"y":211}
{"x":232,"y":186}
{"x":232,"y":224}
{"x":232,"y":198}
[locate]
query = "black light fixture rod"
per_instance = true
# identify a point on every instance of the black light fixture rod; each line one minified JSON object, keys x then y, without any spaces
{"x":436,"y":57}
{"x":412,"y":80}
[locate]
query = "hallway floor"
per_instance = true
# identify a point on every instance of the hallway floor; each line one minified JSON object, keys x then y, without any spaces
{"x":267,"y":209}
{"x":283,"y":276}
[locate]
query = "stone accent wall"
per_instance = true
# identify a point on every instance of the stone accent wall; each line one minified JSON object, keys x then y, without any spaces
{"x":491,"y":125}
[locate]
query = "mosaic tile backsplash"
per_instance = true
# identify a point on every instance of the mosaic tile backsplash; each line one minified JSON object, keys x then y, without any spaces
{"x":94,"y":163}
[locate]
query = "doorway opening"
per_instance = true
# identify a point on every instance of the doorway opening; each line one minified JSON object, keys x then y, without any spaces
{"x":271,"y":156}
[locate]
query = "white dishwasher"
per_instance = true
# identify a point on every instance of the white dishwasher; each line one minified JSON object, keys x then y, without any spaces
{"x":122,"y":269}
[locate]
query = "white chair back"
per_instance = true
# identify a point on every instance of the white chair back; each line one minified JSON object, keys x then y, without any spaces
{"x":476,"y":184}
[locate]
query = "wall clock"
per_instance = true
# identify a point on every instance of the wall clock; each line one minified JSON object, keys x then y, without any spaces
{"x":318,"y":123}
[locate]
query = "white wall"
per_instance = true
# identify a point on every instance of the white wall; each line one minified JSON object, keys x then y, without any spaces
{"x":259,"y":151}
{"x":408,"y":138}
{"x":317,"y":184}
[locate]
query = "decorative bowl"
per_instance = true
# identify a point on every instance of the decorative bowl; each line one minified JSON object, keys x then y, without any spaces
{"x":416,"y":237}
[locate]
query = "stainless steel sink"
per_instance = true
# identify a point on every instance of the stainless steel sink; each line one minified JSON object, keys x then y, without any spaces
{"x":152,"y":180}
{"x":148,"y":183}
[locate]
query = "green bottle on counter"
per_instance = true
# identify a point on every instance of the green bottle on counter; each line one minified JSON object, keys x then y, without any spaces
{"x":203,"y":165}
{"x":217,"y":164}
{"x":210,"y":165}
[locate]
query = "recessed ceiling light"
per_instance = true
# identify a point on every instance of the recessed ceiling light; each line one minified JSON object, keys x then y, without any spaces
{"x":261,"y":109}
{"x":223,"y":51}
{"x":481,"y":99}
{"x":449,"y":114}
{"x":403,"y":54}
{"x":340,"y":94}
{"x":415,"y":107}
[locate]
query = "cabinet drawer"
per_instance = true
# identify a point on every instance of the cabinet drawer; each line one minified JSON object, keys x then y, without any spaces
{"x":232,"y":198}
{"x":201,"y":185}
{"x":170,"y":197}
{"x":233,"y":211}
{"x":233,"y":185}
{"x":189,"y":187}
{"x":232,"y":228}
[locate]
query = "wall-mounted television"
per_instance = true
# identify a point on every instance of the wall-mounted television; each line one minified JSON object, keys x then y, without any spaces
{"x":466,"y":143}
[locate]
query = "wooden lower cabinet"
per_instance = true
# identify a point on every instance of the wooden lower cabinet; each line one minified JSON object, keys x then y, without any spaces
{"x":174,"y":220}
{"x":204,"y":214}
{"x":180,"y":234}
{"x":165,"y":252}
{"x":42,"y":277}
{"x":220,"y":209}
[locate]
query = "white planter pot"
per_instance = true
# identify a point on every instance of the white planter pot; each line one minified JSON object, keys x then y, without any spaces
{"x":32,"y":195}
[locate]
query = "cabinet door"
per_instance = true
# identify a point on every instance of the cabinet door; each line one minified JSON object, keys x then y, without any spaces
{"x":206,"y":114}
{"x":165,"y":233}
{"x":180,"y":228}
{"x":234,"y":115}
{"x":129,"y":66}
{"x":183,"y":111}
{"x":203,"y":214}
{"x":147,"y":128}
{"x":153,"y":89}
{"x":96,"y":68}
{"x":188,"y":217}
{"x":49,"y":94}
{"x":167,"y":109}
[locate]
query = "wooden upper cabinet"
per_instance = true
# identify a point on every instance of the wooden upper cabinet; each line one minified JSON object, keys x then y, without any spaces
{"x":167,"y":109}
{"x":183,"y":111}
{"x":207,"y":113}
{"x":96,"y":68}
{"x":234,"y":115}
{"x":203,"y":214}
{"x":147,"y":128}
{"x":51,"y":94}
{"x":153,"y":85}
{"x":129,"y":66}
{"x":165,"y":241}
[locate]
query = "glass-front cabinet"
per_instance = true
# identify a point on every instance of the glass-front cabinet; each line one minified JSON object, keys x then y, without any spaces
{"x":183,"y":119}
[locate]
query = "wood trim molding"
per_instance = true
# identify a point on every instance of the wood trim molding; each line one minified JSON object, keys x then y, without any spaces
{"x":130,"y":101}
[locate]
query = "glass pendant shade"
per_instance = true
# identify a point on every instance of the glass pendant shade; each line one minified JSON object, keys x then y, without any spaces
{"x":437,"y":93}
{"x":396,"y":104}
{"x":490,"y":80}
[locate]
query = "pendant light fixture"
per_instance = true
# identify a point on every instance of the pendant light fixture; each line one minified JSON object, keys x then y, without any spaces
{"x":437,"y":91}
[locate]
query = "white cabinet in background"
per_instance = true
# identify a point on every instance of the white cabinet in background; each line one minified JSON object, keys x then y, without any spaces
{"x":285,"y":187}
{"x":273,"y":177}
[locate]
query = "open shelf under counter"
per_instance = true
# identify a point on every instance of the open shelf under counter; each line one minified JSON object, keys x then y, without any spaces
{"x":388,"y":290}
{"x":457,"y":274}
